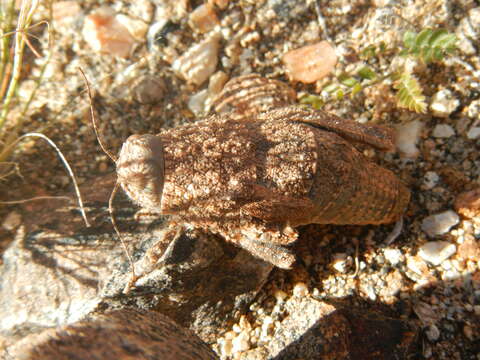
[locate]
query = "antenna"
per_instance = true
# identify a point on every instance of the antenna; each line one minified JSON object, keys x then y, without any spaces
{"x":94,"y":120}
{"x":115,"y":189}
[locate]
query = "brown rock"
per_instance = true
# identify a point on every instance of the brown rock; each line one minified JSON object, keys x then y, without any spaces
{"x":467,"y":203}
{"x":317,"y":330}
{"x":118,"y":335}
{"x":203,"y":18}
{"x":469,"y":249}
{"x":222,"y":4}
{"x":59,"y":271}
{"x":454,"y":178}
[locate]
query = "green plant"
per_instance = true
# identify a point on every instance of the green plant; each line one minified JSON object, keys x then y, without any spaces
{"x":409,"y":93}
{"x":429,"y":45}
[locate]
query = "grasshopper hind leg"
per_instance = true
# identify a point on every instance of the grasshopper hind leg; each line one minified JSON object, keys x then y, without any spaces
{"x":277,"y":255}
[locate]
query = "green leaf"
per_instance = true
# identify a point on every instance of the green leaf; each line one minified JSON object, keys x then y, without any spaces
{"x":429,"y":45}
{"x":340,"y":94}
{"x":312,"y":100}
{"x":366,"y":73}
{"x":409,"y":39}
{"x":423,"y":39}
{"x":427,"y":55}
{"x":410,"y":93}
{"x":437,"y":54}
{"x":382,"y":47}
{"x":347,"y":80}
{"x":331,"y":88}
{"x":442,"y":39}
{"x":356,"y":89}
{"x":369,"y":52}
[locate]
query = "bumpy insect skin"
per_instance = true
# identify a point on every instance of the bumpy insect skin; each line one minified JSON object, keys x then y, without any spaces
{"x":350,"y":189}
{"x":276,"y":170}
{"x":215,"y":168}
{"x":262,"y":167}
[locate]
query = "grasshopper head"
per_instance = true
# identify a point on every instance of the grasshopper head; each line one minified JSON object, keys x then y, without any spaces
{"x":140,"y":170}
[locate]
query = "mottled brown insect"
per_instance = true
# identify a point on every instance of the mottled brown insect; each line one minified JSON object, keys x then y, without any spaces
{"x":260,"y":167}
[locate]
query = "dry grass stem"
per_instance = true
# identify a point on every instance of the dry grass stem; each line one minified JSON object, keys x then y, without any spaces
{"x":65,"y":162}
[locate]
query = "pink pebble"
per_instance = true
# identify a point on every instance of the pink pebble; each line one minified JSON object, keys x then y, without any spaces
{"x":310,"y":63}
{"x":104,"y":33}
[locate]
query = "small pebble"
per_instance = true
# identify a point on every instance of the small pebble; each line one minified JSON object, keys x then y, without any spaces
{"x":280,"y":296}
{"x":215,"y":86}
{"x":12,"y":221}
{"x":226,"y":347}
{"x":469,"y":333}
{"x":199,"y":62}
{"x":393,"y":256}
{"x":310,"y":63}
{"x":473,"y":110}
{"x":267,"y":326}
{"x":149,"y":90}
{"x":443,"y":131}
{"x":473,"y":133}
{"x":469,"y":250}
{"x":441,"y":223}
{"x":222,"y":4}
{"x":450,"y":275}
{"x":447,"y":265}
{"x":417,"y":265}
{"x":250,"y":38}
{"x":443,"y":103}
{"x":341,"y":262}
{"x":435,"y":252}
{"x":196,"y":103}
{"x":467,"y":32}
{"x":241,"y":342}
{"x":426,"y":313}
{"x":203,"y":18}
{"x":137,"y":28}
{"x":216,"y":83}
{"x":236,"y":328}
{"x":406,"y":138}
{"x":432,"y":332}
{"x":430,"y":180}
{"x":65,"y":12}
{"x":104,"y":33}
{"x":300,"y":289}
{"x":370,"y":292}
{"x":467,"y":203}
